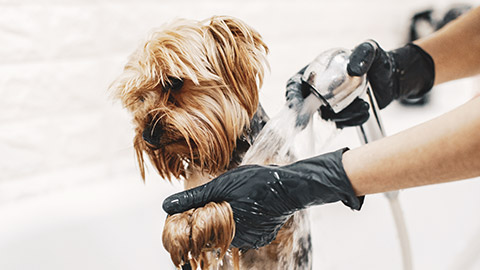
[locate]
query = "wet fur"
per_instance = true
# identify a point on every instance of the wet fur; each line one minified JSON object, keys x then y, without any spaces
{"x":204,"y":128}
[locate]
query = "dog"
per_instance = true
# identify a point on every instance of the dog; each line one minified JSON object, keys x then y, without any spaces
{"x":193,"y":91}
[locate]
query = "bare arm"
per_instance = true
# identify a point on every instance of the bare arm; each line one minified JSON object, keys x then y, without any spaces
{"x":441,"y":150}
{"x":455,"y":48}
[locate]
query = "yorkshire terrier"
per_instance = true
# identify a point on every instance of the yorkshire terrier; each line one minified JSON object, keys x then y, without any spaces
{"x":193,"y":90}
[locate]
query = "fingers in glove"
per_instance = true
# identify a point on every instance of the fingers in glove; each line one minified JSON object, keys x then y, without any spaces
{"x":216,"y":190}
{"x":357,"y":121}
{"x":254,"y":235}
{"x":297,"y":90}
{"x":362,"y":58}
{"x":185,"y":200}
{"x":357,"y":108}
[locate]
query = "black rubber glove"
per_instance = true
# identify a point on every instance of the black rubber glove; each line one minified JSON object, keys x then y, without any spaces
{"x":264,"y":197}
{"x":405,"y":72}
{"x":354,"y":114}
{"x":297,"y":90}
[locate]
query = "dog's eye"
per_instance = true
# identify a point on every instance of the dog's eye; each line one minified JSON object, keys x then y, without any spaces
{"x":174,"y":84}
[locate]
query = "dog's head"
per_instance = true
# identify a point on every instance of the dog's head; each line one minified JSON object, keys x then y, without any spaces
{"x":192,"y":88}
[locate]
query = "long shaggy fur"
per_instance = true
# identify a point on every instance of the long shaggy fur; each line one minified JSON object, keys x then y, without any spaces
{"x":192,"y":88}
{"x":222,"y":63}
{"x":199,"y":236}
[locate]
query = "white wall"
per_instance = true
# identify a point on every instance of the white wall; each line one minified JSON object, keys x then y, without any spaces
{"x":70,"y":193}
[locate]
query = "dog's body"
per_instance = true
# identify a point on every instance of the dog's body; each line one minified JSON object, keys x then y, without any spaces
{"x":193,"y":91}
{"x":292,"y":249}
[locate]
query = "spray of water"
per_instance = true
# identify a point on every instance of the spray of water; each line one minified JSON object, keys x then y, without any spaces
{"x":277,"y":142}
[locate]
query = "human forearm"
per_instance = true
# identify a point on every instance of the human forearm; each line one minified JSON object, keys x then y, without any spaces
{"x":455,"y":48}
{"x":441,"y":150}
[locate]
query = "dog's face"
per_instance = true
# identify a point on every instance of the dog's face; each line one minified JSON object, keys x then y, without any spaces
{"x":192,"y":88}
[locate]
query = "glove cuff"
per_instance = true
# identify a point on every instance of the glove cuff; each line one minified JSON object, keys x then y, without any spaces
{"x":415,"y":71}
{"x":353,"y":201}
{"x":320,"y":180}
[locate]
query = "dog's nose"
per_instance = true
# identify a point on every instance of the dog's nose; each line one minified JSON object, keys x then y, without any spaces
{"x":152,"y":135}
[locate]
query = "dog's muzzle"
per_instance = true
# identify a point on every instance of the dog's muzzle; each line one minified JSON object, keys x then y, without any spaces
{"x":152,"y":135}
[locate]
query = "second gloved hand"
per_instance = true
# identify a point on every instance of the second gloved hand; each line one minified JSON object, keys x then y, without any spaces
{"x":264,"y":197}
{"x":405,"y":72}
{"x":297,"y":90}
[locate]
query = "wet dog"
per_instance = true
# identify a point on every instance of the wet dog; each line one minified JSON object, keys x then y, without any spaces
{"x":192,"y":89}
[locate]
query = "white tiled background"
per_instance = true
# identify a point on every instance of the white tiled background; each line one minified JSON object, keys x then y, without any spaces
{"x":70,"y":194}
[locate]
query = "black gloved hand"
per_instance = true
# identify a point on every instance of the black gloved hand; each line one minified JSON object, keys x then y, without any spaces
{"x":405,"y":72}
{"x":354,"y":114}
{"x":297,"y":90}
{"x":264,"y":197}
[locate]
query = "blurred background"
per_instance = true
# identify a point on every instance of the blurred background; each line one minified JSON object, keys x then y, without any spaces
{"x":71,"y":196}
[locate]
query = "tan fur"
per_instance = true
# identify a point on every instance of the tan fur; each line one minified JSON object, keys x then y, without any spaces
{"x":221,"y":61}
{"x":194,"y":235}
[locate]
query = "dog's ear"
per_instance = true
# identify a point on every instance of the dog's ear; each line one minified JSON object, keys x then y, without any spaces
{"x":240,"y":58}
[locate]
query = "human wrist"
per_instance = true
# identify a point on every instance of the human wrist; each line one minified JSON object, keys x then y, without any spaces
{"x":354,"y":201}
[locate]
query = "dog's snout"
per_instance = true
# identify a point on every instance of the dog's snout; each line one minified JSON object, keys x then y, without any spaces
{"x":152,"y":135}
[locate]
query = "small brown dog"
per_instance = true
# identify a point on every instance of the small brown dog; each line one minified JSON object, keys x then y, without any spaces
{"x":193,"y":91}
